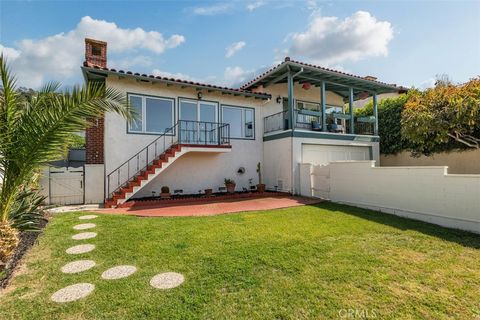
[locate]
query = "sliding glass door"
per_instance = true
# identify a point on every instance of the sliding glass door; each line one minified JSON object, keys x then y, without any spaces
{"x":199,"y":125}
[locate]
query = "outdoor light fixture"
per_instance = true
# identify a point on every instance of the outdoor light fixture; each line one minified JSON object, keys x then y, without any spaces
{"x":199,"y":95}
{"x":279,"y":99}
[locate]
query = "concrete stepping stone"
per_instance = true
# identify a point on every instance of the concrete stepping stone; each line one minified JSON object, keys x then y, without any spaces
{"x":84,"y":226}
{"x":84,"y":235}
{"x":118,"y":272}
{"x":73,"y":292}
{"x":88,"y":217}
{"x":78,"y":266}
{"x":167,"y":280}
{"x":81,"y":248}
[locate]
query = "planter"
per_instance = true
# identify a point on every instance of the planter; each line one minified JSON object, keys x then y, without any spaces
{"x":230,"y":187}
{"x":208,"y":192}
{"x":165,"y":195}
{"x":261,"y":187}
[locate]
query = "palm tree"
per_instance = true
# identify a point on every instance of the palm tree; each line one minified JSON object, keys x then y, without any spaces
{"x":33,"y":131}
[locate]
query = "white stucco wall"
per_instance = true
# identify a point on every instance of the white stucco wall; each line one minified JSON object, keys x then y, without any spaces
{"x":277,"y":157}
{"x":191,"y":172}
{"x":424,"y":193}
{"x":94,"y":174}
{"x":311,"y":95}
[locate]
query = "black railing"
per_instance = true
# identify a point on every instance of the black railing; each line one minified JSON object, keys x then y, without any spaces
{"x":336,"y":123}
{"x":183,"y":132}
{"x":201,"y":132}
{"x":275,"y":122}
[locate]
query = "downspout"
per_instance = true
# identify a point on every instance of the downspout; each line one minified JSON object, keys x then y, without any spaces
{"x":291,"y":86}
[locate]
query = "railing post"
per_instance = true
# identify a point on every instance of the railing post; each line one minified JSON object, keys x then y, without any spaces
{"x":108,"y":186}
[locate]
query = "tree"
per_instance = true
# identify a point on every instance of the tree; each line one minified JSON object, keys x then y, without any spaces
{"x":34,"y":129}
{"x":443,"y":114}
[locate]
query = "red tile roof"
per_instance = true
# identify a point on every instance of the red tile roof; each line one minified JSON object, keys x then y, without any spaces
{"x":340,"y":73}
{"x":180,"y":81}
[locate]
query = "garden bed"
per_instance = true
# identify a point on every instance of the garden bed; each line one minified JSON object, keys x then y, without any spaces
{"x":195,"y":198}
{"x":27,"y":240}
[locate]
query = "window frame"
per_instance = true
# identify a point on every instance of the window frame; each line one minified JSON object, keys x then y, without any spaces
{"x":243,"y":108}
{"x":144,"y":119}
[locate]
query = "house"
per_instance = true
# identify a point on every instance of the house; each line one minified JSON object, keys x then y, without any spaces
{"x":189,"y":136}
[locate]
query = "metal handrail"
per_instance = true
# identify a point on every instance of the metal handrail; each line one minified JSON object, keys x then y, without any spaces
{"x":142,"y":159}
{"x":274,"y":122}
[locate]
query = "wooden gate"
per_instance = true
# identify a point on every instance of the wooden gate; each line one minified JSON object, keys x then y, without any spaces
{"x":66,"y":185}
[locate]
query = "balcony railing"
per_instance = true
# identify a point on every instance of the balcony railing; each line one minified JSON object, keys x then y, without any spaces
{"x":312,"y":120}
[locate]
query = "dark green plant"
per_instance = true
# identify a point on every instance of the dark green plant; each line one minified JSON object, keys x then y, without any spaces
{"x":228,"y":181}
{"x":34,"y":130}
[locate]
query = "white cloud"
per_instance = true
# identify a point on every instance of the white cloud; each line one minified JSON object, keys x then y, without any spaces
{"x":330,"y":40}
{"x":60,"y":56}
{"x":429,"y":83}
{"x":254,"y":5}
{"x":234,"y":48}
{"x":9,"y":53}
{"x":215,"y":9}
{"x":128,"y":63}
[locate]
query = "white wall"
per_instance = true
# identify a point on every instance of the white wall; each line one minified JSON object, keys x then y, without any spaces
{"x":94,"y":189}
{"x":423,"y":193}
{"x":277,"y":159}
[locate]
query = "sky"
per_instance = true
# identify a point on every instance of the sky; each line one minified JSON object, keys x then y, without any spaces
{"x":229,"y":42}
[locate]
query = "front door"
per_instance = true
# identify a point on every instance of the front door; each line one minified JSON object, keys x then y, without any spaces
{"x":198,"y":123}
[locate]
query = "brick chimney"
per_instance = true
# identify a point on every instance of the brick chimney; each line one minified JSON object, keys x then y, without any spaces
{"x":95,"y":53}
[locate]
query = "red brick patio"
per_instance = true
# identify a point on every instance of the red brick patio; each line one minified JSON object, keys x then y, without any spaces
{"x":214,"y":207}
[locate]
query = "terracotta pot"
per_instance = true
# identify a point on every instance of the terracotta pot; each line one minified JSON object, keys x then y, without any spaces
{"x":165,"y":195}
{"x":261,"y":187}
{"x":230,"y":187}
{"x":208,"y":192}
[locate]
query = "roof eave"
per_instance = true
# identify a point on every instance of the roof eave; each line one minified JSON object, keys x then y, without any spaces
{"x":92,"y":70}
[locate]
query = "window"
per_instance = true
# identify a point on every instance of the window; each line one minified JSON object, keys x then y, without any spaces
{"x":241,"y":121}
{"x":154,"y":115}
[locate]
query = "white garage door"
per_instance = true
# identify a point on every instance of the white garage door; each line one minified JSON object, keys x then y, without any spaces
{"x":323,"y":154}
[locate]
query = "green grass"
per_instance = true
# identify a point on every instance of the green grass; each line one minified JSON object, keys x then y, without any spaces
{"x":297,"y":263}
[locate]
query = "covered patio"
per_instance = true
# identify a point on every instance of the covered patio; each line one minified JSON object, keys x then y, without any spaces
{"x":318,"y":115}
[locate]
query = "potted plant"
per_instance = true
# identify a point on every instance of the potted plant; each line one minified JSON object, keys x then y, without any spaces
{"x":165,"y":193}
{"x":208,"y":192}
{"x":260,"y":185}
{"x":230,"y":185}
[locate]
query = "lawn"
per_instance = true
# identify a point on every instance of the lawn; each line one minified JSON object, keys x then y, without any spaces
{"x":307,"y":262}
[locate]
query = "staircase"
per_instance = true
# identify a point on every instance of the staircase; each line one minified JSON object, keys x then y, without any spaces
{"x":183,"y":137}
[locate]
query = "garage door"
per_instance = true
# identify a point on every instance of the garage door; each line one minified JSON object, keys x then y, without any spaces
{"x":323,"y":154}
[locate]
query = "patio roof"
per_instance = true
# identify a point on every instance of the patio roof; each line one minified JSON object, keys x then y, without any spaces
{"x":336,"y":81}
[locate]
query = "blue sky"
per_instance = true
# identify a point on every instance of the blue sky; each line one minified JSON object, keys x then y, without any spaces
{"x":403,"y":42}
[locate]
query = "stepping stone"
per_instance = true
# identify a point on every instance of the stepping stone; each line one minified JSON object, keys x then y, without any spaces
{"x":73,"y":292}
{"x":118,"y":272}
{"x":84,"y":235}
{"x":167,"y":280}
{"x":84,"y":226}
{"x":82,"y":248}
{"x":78,"y":266}
{"x":88,"y":217}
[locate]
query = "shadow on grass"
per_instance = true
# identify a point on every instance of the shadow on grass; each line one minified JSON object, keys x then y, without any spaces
{"x":464,"y":238}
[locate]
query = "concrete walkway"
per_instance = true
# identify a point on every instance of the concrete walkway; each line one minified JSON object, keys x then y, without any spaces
{"x":213,"y":208}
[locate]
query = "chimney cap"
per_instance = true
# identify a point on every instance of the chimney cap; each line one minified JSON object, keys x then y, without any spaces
{"x":371,"y":78}
{"x":90,"y":40}
{"x":287,"y":59}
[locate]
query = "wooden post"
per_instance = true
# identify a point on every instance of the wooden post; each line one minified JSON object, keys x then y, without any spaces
{"x":350,"y":105}
{"x":323,"y":101}
{"x":375,"y":114}
{"x":291,"y":109}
